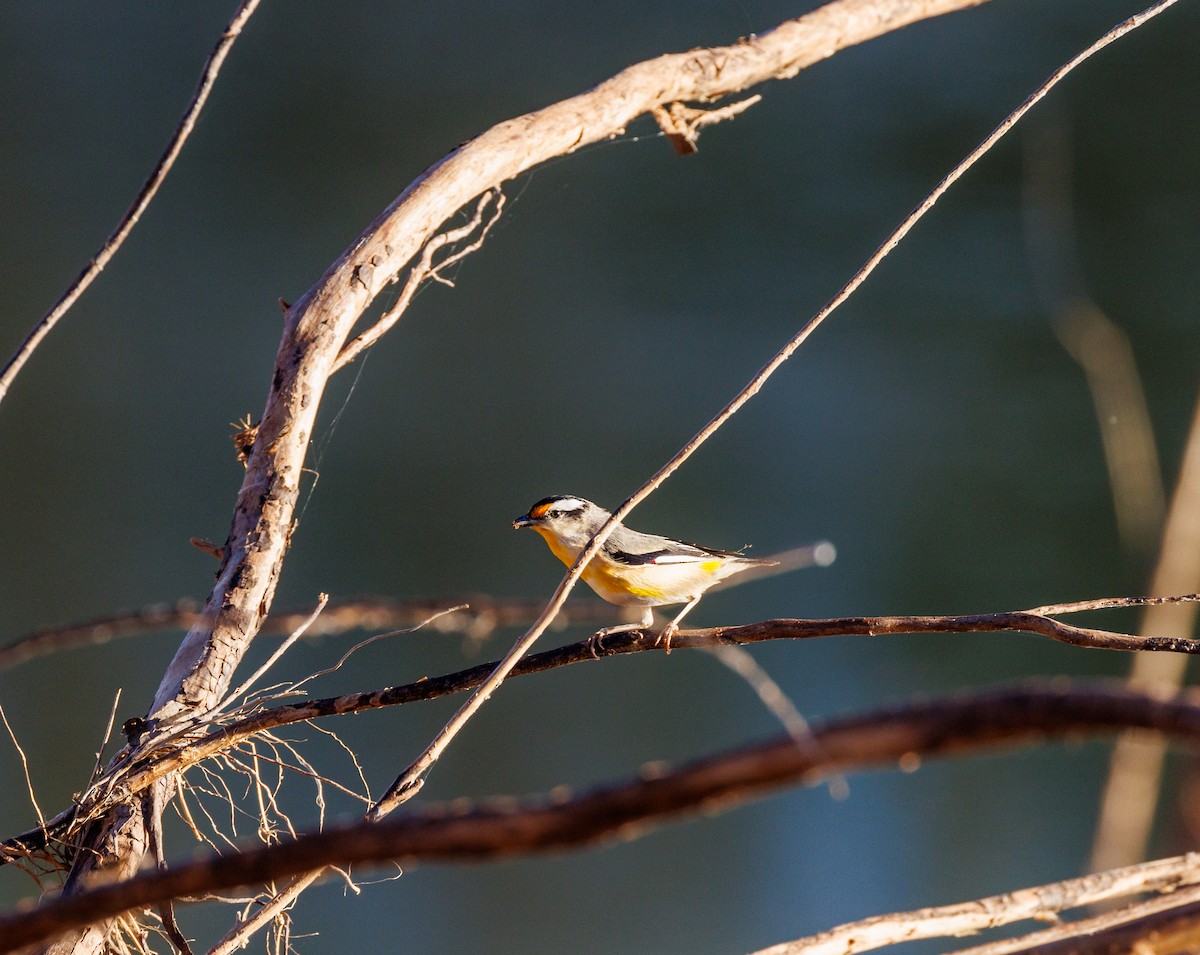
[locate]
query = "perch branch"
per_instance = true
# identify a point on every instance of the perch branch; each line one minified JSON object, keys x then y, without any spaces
{"x":151,"y":768}
{"x":504,"y":828}
{"x":208,"y":78}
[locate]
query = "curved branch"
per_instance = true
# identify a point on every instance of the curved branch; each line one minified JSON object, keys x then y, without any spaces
{"x":505,"y":828}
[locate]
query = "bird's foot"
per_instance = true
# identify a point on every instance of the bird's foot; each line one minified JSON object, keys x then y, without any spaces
{"x":596,"y":640}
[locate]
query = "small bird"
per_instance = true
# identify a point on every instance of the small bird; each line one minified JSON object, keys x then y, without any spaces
{"x":633,"y":569}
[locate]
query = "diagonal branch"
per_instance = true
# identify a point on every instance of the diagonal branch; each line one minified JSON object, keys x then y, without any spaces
{"x":1164,"y":925}
{"x":113,"y":243}
{"x":505,"y":828}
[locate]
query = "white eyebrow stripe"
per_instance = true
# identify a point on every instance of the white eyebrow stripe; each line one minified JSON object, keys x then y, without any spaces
{"x":570,"y":504}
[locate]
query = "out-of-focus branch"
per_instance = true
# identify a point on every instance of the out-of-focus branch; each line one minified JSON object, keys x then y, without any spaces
{"x":1043,"y":903}
{"x":504,"y":828}
{"x":1103,"y":351}
{"x":1131,"y":796}
{"x":481,"y":617}
{"x":113,"y":243}
{"x":1094,"y":340}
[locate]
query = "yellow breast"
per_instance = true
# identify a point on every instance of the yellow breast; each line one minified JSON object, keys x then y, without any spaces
{"x":646,"y":585}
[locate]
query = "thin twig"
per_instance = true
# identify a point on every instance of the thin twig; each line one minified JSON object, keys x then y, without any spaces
{"x":425,"y":269}
{"x":322,"y":600}
{"x":208,"y":78}
{"x":295,"y":687}
{"x":408,"y":782}
{"x":25,"y":768}
{"x":112,"y":718}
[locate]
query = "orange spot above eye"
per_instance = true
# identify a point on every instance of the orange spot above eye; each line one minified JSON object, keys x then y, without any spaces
{"x":539,"y":510}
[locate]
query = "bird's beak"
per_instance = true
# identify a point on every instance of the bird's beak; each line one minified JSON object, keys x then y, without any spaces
{"x":522,"y":521}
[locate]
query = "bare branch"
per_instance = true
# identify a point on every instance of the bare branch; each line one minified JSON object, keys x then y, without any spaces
{"x":1158,"y":926}
{"x":1042,"y":903}
{"x":208,"y":78}
{"x":504,"y":828}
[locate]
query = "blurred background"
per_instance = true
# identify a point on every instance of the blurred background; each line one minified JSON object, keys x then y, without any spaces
{"x":936,"y":430}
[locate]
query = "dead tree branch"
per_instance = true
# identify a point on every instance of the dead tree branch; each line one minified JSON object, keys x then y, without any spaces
{"x":1041,"y":903}
{"x":1165,"y":925}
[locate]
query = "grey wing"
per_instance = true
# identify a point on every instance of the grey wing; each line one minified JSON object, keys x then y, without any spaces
{"x":635,"y":548}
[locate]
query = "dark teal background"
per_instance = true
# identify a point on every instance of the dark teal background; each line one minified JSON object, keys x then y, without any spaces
{"x":934,"y":429}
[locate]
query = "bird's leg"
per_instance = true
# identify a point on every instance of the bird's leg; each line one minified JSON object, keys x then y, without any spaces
{"x":669,"y":630}
{"x":596,"y":640}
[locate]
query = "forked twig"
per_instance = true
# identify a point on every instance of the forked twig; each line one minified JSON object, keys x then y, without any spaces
{"x":425,"y":269}
{"x":208,"y":78}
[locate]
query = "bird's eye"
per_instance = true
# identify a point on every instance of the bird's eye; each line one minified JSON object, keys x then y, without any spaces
{"x":554,"y":515}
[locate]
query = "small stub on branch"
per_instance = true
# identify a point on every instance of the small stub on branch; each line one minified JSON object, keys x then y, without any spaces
{"x":682,"y":124}
{"x":204,"y":544}
{"x":243,"y":438}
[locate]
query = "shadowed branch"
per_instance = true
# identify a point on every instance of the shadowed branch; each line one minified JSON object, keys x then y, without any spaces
{"x":497,"y":829}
